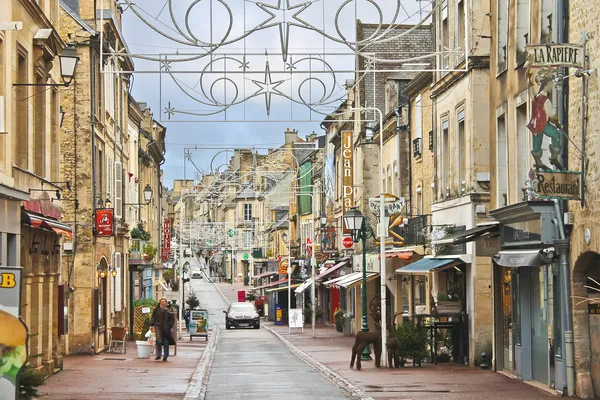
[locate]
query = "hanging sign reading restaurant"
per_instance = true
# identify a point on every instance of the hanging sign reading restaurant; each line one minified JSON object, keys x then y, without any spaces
{"x":554,"y":55}
{"x":564,"y":185}
{"x":104,"y":222}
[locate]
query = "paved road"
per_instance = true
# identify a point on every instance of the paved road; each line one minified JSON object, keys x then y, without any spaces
{"x":253,"y":364}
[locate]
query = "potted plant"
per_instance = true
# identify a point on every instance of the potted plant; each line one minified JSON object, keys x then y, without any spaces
{"x":450,"y":301}
{"x":338,"y":316}
{"x":413,"y":341}
{"x":347,"y":328}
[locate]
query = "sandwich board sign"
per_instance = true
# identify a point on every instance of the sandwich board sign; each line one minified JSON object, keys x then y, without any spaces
{"x":13,"y":332}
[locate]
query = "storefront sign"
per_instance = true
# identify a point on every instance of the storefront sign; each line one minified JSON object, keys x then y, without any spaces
{"x":373,"y":264}
{"x":104,"y":222}
{"x":283,"y":266}
{"x":554,"y":55}
{"x":347,"y":172}
{"x":166,"y":239}
{"x":15,"y":353}
{"x":529,"y":232}
{"x":593,"y":308}
{"x":563,"y":185}
{"x":392,"y":205}
{"x":296,"y":318}
{"x":44,"y":207}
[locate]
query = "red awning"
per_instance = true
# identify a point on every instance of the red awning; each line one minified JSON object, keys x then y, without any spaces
{"x":405,"y":255}
{"x":274,"y":283}
{"x":336,"y":267}
{"x":268,"y":273}
{"x":45,"y":223}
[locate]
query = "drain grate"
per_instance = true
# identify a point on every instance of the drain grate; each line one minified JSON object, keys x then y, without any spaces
{"x":114,"y":359}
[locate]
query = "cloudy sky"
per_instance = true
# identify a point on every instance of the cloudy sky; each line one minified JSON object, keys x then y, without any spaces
{"x":199,"y":91}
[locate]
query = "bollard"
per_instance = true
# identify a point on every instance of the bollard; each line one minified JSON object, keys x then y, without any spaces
{"x":483,"y":361}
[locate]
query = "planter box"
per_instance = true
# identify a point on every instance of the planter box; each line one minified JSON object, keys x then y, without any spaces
{"x":449,"y":307}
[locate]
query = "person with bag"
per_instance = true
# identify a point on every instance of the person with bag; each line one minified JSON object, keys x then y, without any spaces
{"x":162,"y":321}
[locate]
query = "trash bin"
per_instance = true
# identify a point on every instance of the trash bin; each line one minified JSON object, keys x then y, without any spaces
{"x":144,"y":348}
{"x":279,"y":320}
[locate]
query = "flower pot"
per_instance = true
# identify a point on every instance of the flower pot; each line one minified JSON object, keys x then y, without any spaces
{"x":144,"y":348}
{"x":347,"y":329}
{"x":448,"y":307}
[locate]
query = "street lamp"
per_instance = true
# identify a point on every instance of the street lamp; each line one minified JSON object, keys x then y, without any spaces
{"x":355,"y":223}
{"x":148,"y":193}
{"x":284,"y":237}
{"x":68,"y":65}
{"x":323,"y":221}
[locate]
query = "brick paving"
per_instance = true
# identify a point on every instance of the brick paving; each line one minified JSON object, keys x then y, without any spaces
{"x":124,"y":376}
{"x":443,"y":381}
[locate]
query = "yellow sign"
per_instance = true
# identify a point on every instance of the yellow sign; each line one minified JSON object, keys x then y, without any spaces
{"x":283,"y":266}
{"x":558,"y":184}
{"x":347,"y":171}
{"x":7,"y":280}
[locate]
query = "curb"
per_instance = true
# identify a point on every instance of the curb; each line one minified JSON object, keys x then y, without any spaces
{"x":198,"y":384}
{"x":350,"y":389}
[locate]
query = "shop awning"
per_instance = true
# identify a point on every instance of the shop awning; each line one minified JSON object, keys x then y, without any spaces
{"x":282,"y":288}
{"x":354,"y":279}
{"x":332,"y":281}
{"x":38,"y":221}
{"x":336,"y":267}
{"x":305,"y":285}
{"x":404,"y":255}
{"x":268,"y":273}
{"x":425,"y":265}
{"x":271,"y":284}
{"x":525,"y":258}
{"x":470,"y":234}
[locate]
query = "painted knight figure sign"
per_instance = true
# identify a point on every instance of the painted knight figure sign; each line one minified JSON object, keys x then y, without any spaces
{"x":543,"y":120}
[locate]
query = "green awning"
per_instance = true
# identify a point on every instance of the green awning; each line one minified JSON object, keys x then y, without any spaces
{"x":425,"y":265}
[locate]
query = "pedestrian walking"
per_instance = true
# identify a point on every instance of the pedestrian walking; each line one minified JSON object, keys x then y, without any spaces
{"x":162,"y":321}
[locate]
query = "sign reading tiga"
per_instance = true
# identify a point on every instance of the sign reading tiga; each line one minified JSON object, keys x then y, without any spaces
{"x":554,"y":55}
{"x":558,"y":185}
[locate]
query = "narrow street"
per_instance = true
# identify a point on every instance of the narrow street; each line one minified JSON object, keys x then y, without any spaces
{"x":253,"y":364}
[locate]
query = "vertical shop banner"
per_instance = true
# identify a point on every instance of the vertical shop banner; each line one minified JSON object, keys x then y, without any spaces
{"x":347,"y":173}
{"x":13,"y":332}
{"x":104,"y":222}
{"x":166,"y":239}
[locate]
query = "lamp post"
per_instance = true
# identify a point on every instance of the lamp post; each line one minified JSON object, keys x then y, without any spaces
{"x":356,"y":224}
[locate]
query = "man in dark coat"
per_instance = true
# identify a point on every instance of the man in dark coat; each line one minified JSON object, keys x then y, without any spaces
{"x":162,"y":321}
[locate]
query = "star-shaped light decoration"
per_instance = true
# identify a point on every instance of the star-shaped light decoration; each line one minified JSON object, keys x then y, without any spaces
{"x":268,"y":88}
{"x":165,"y":65}
{"x":284,"y":26}
{"x":169,"y":111}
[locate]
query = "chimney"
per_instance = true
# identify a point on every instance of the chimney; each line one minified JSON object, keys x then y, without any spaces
{"x":73,"y":5}
{"x":311,"y":138}
{"x":291,"y":136}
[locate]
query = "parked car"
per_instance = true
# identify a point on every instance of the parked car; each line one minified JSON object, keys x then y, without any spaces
{"x":241,"y":315}
{"x":196,"y":274}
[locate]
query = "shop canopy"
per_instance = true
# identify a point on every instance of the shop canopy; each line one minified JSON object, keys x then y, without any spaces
{"x":271,"y":284}
{"x":352,"y":279}
{"x":424,"y":265}
{"x":38,"y":221}
{"x":334,"y":280}
{"x":336,"y":267}
{"x":480,"y":231}
{"x":282,"y":288}
{"x":268,"y":273}
{"x":305,"y":285}
{"x":525,"y":258}
{"x":402,"y":254}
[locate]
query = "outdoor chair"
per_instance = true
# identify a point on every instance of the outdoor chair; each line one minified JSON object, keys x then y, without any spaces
{"x":118,"y":337}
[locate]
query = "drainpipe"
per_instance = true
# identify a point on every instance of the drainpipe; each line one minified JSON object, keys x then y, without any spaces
{"x":562,"y":247}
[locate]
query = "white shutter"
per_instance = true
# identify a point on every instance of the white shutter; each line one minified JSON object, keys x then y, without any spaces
{"x":2,"y":120}
{"x":118,"y":282}
{"x":118,"y":189}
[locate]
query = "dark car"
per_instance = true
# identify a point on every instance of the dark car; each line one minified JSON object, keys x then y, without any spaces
{"x":242,"y":315}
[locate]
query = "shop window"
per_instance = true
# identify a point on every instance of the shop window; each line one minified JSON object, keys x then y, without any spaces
{"x":419,"y":290}
{"x":405,"y":292}
{"x":517,"y":308}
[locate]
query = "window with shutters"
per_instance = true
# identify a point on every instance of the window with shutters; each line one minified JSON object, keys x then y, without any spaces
{"x":118,"y":189}
{"x":109,"y":88}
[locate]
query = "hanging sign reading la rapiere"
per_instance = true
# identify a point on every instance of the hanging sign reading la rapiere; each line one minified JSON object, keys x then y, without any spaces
{"x":347,"y":171}
{"x":554,"y":55}
{"x":104,"y":222}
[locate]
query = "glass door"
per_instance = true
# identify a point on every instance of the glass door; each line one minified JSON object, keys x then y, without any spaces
{"x":507,"y":319}
{"x":539,"y":325}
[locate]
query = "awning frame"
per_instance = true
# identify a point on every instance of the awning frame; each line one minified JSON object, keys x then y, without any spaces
{"x":526,"y":257}
{"x":487,"y":229}
{"x":436,"y":264}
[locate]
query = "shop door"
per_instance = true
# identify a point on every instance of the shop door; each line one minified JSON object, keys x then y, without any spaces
{"x":507,"y":320}
{"x":539,"y":325}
